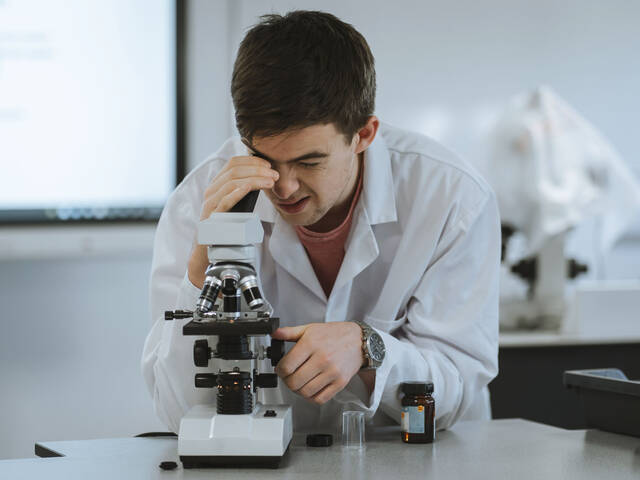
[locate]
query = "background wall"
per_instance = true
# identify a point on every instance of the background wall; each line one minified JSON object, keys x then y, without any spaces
{"x":74,"y":309}
{"x":74,"y":300}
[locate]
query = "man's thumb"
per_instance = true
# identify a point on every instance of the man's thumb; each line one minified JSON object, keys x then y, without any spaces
{"x":290,"y":334}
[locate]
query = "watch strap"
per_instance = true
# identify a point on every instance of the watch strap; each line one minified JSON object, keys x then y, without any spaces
{"x":370,"y":363}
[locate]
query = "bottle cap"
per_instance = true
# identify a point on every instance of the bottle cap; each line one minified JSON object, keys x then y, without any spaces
{"x":417,"y":388}
{"x":319,"y":440}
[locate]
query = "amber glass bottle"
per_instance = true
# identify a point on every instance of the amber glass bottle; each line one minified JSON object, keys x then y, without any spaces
{"x":418,"y":413}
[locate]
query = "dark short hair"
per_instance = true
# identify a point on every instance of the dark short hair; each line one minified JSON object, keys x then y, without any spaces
{"x":302,"y":69}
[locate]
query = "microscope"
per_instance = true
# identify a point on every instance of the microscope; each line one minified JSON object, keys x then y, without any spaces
{"x":235,"y":431}
{"x":546,"y":274}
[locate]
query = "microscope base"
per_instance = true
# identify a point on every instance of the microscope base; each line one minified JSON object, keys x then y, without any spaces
{"x":208,"y":439}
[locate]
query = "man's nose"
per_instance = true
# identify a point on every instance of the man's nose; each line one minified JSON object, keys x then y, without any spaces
{"x":286,"y":185}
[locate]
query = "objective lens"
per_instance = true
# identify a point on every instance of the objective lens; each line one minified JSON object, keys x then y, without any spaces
{"x":229,"y":281}
{"x":251,"y":292}
{"x":209,"y":293}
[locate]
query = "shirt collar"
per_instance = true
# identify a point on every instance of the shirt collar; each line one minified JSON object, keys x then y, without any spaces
{"x":378,"y":192}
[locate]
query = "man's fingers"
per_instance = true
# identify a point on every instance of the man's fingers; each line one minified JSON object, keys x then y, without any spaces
{"x":315,"y":385}
{"x":292,"y":361}
{"x":228,"y":201}
{"x":327,"y":393}
{"x":248,"y":160}
{"x":244,"y":173}
{"x":289,"y":334}
{"x":303,"y":375}
{"x":255,"y":183}
{"x":211,"y":203}
{"x":247,"y":171}
{"x":214,"y":203}
{"x":240,"y":173}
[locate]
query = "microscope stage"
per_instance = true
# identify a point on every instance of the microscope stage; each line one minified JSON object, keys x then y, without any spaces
{"x":208,"y":439}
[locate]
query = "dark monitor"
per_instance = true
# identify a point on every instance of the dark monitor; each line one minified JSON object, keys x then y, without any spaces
{"x":91,"y":125}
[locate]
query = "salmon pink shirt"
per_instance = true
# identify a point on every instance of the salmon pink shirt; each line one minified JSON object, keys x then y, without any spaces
{"x":326,"y":250}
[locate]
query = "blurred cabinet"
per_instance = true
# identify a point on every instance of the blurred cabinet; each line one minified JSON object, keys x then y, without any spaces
{"x":529,"y":384}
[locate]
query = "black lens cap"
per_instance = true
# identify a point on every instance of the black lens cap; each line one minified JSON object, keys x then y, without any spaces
{"x":319,"y":440}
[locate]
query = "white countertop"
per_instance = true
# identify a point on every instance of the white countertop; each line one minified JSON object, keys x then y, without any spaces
{"x":494,"y":449}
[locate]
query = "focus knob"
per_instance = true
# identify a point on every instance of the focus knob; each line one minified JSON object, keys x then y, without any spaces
{"x":276,"y":351}
{"x":576,"y":268}
{"x":266,"y":380}
{"x":206,"y":380}
{"x":201,"y":353}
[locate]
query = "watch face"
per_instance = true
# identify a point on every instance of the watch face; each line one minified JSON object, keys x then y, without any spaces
{"x":376,"y":347}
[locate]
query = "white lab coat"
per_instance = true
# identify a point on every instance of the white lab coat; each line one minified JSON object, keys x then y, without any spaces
{"x":421,"y":267}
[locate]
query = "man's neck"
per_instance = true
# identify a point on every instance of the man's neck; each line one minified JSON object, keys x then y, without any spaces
{"x":336,"y":215}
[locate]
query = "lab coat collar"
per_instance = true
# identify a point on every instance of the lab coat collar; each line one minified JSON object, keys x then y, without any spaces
{"x":376,"y":205}
{"x":378,"y":193}
{"x":288,"y":252}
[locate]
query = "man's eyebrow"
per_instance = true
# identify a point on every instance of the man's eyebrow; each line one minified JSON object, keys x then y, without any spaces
{"x":306,"y":156}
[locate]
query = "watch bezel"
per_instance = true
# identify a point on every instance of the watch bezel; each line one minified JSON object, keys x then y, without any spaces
{"x":367,"y":333}
{"x":370,"y":349}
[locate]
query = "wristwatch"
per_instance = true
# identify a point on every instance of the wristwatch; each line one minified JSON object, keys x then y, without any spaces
{"x":372,"y":346}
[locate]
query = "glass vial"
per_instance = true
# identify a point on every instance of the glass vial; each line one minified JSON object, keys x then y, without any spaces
{"x":417,"y":421}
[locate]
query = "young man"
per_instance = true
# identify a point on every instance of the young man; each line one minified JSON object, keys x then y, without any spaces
{"x":370,"y":233}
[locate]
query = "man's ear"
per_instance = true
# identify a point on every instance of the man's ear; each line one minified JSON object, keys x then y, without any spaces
{"x":365,"y":136}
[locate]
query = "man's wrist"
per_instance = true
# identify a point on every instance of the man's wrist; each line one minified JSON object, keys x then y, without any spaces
{"x":360,"y":346}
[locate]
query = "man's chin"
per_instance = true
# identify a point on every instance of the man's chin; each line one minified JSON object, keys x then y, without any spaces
{"x":299,"y":220}
{"x":302,"y":219}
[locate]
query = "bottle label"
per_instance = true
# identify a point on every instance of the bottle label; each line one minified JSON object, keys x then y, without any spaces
{"x":413,"y":419}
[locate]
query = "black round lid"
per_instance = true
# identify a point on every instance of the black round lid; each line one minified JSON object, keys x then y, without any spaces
{"x":319,"y":440}
{"x":168,"y":465}
{"x":417,"y":388}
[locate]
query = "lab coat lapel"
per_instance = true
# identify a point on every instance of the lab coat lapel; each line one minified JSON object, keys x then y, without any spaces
{"x":376,"y":205}
{"x":288,"y":252}
{"x":361,"y":248}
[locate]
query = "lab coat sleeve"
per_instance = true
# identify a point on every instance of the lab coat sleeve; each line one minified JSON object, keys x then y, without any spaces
{"x":167,"y":362}
{"x":450,"y":332}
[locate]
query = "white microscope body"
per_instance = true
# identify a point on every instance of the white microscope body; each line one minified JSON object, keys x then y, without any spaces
{"x":546,"y":274}
{"x":234,"y":430}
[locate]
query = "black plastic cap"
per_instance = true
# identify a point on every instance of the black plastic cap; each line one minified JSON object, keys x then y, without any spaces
{"x":417,"y":388}
{"x":319,"y":440}
{"x":168,"y":465}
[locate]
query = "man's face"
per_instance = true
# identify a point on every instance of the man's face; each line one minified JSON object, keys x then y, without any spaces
{"x":317,"y":172}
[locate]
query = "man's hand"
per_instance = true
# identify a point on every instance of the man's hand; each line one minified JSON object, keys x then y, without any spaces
{"x":324,"y":359}
{"x":239,"y":176}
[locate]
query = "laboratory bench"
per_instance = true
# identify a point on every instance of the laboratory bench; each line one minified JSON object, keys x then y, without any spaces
{"x":531,"y":364}
{"x":494,"y":449}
